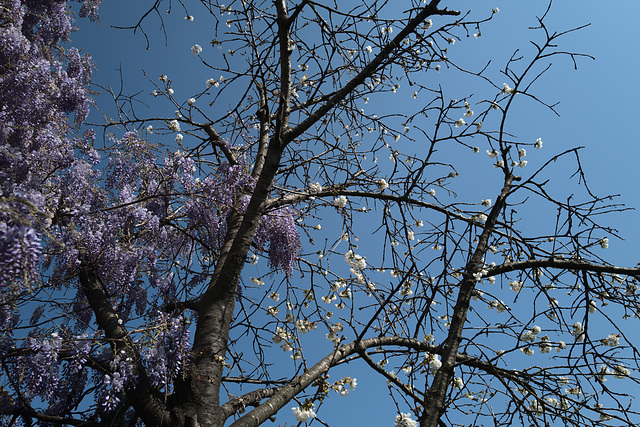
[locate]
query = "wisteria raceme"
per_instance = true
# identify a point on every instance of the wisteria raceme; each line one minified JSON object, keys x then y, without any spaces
{"x":19,"y":254}
{"x":167,"y":356}
{"x":278,"y":230}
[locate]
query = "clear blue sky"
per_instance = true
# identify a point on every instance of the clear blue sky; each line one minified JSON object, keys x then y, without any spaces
{"x":597,"y":109}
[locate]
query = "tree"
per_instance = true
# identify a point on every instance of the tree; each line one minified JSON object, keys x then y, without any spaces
{"x":130,"y":290}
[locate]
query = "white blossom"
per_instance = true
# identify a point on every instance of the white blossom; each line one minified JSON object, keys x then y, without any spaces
{"x":404,"y":420}
{"x":303,"y":413}
{"x":314,"y":188}
{"x":382,"y":184}
{"x":340,"y":201}
{"x":196,"y":49}
{"x":174,"y":125}
{"x":506,"y":89}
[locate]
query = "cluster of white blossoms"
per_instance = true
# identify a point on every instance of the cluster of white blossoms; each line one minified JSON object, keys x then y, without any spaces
{"x":334,"y":331}
{"x":340,"y":202}
{"x":531,"y":335}
{"x":576,"y":391}
{"x":257,"y":281}
{"x":515,"y":286}
{"x":357,"y":263}
{"x":457,"y":383}
{"x":499,"y":305}
{"x":578,"y":332}
{"x":506,"y":89}
{"x":214,"y":82}
{"x":282,"y":337}
{"x":459,"y":123}
{"x":521,"y":162}
{"x":620,"y":372}
{"x":315,"y":188}
{"x":612,"y":340}
{"x":304,"y":326}
{"x":404,"y":420}
{"x":432,"y":361}
{"x":604,"y":243}
{"x":536,"y":407}
{"x":345,"y":385}
{"x":174,"y":125}
{"x":196,"y":49}
{"x":382,"y":184}
{"x":479,"y":217}
{"x":469,"y":111}
{"x":304,"y":413}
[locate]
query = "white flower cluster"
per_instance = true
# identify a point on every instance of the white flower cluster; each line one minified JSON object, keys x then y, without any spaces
{"x":304,"y":413}
{"x":479,"y":217}
{"x":521,"y":154}
{"x":335,"y":329}
{"x":355,"y":261}
{"x":340,"y":202}
{"x":612,"y":340}
{"x":282,"y":337}
{"x":174,"y":125}
{"x":304,"y":326}
{"x":345,"y":385}
{"x":257,"y":281}
{"x":515,"y":286}
{"x":531,"y":335}
{"x":196,"y":49}
{"x":506,"y":89}
{"x":527,"y":350}
{"x":382,"y":184}
{"x":212,"y":82}
{"x":578,"y":332}
{"x":315,"y":188}
{"x":433,"y":361}
{"x":458,"y":383}
{"x":499,"y":305}
{"x":620,"y":372}
{"x":404,"y":420}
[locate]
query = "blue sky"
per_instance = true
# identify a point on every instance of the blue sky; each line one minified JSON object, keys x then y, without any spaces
{"x":597,"y":104}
